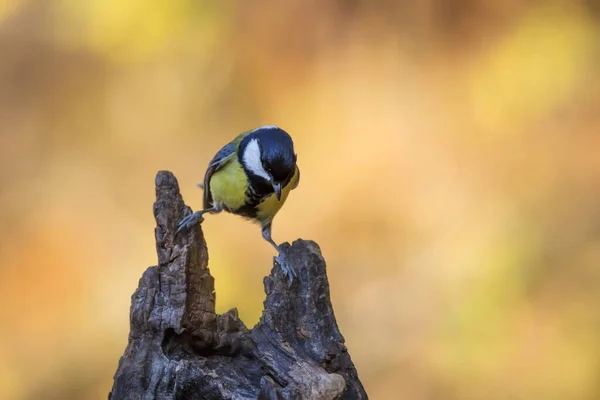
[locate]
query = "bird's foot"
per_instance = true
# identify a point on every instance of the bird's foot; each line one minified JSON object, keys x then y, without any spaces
{"x":286,"y":267}
{"x":189,"y":221}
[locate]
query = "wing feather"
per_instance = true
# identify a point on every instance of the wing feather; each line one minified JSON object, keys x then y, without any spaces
{"x":220,"y":159}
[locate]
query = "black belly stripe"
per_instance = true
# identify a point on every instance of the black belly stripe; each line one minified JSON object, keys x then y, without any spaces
{"x":250,"y":208}
{"x":247,"y":210}
{"x":257,"y":191}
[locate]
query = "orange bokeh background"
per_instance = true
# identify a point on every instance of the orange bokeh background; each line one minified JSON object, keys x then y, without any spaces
{"x":450,"y":157}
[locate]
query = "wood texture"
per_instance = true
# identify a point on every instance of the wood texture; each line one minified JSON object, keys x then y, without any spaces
{"x":179,"y":348}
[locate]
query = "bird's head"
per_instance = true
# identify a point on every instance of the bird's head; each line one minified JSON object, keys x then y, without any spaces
{"x":267,"y":155}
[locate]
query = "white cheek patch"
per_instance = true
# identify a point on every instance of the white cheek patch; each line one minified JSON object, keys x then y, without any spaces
{"x":252,"y":160}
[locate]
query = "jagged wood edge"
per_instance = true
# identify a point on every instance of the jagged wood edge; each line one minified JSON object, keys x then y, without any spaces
{"x":180,"y":348}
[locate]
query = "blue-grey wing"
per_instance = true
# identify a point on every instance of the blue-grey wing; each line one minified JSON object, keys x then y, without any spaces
{"x":220,"y":159}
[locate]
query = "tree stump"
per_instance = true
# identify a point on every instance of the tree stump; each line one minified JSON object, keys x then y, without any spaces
{"x":179,"y":348}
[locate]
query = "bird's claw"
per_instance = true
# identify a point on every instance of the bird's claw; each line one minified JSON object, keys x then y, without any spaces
{"x":286,"y":267}
{"x":190,"y":221}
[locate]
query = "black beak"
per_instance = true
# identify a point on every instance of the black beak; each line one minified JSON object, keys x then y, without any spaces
{"x":277,"y":190}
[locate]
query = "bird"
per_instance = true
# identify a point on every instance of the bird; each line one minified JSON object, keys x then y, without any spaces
{"x":251,"y":176}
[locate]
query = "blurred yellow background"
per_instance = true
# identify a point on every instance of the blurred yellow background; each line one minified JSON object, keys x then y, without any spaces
{"x":450,"y":157}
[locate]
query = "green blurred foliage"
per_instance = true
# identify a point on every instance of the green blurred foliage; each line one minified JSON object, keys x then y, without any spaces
{"x":450,"y":157}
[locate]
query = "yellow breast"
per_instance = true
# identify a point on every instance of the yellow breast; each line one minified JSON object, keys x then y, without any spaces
{"x":269,"y":207}
{"x":228,"y":185}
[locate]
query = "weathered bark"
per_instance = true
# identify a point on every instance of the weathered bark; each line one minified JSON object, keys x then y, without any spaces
{"x":179,"y":348}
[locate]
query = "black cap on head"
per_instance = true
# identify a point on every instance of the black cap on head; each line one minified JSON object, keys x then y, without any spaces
{"x":277,"y":152}
{"x":267,"y":155}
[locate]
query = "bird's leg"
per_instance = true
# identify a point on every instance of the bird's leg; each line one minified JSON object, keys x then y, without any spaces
{"x":194,"y":219}
{"x":287,"y":267}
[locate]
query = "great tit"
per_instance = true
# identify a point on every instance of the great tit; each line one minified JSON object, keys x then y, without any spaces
{"x":251,"y":176}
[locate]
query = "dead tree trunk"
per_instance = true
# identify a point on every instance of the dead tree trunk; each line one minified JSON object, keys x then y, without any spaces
{"x":179,"y":348}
